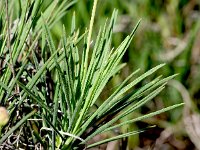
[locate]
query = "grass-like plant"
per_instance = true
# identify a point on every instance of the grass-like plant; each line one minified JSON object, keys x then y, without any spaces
{"x":54,"y":89}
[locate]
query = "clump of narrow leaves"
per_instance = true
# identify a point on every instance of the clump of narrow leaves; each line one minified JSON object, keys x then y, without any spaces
{"x":56,"y":99}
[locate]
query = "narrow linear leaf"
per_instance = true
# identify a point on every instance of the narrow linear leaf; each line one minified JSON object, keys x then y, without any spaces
{"x":145,"y":116}
{"x":118,"y":137}
{"x":34,"y":97}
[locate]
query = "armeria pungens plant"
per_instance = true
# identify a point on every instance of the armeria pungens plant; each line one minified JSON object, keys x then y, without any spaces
{"x":55,"y":89}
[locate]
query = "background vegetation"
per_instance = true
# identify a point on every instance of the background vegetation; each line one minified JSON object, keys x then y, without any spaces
{"x":168,"y":33}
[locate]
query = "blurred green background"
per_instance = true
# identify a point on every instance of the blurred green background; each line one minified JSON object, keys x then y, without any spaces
{"x":168,"y":33}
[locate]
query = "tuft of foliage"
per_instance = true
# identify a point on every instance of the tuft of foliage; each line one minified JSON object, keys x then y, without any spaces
{"x":54,"y":89}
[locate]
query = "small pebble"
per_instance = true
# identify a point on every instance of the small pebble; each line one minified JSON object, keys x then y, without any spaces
{"x":4,"y":116}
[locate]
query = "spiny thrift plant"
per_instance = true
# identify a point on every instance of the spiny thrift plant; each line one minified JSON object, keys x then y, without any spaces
{"x":51,"y":91}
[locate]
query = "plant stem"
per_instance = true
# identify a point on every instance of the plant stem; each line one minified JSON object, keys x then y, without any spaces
{"x":85,"y":106}
{"x":89,"y":37}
